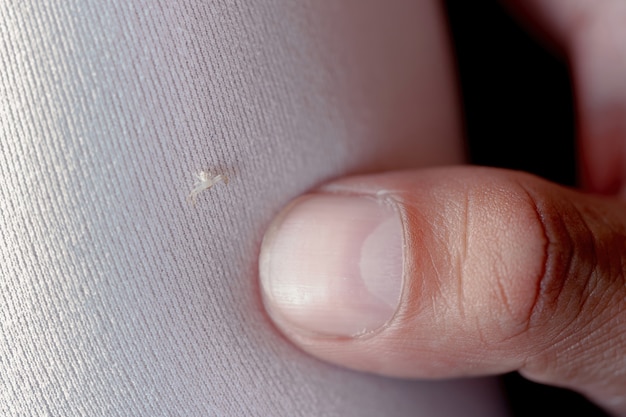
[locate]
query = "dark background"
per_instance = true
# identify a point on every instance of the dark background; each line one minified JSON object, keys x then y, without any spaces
{"x":519,"y":113}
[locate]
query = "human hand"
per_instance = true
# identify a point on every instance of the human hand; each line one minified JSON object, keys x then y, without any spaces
{"x":452,"y":272}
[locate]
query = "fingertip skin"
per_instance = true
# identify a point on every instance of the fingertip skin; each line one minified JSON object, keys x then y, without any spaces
{"x":502,"y":271}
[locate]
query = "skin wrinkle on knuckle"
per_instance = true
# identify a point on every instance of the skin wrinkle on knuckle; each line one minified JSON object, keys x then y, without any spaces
{"x":515,"y":310}
{"x":462,"y":252}
{"x":530,"y":316}
{"x":556,"y":263}
{"x":480,"y":264}
{"x":580,"y":299}
{"x":548,"y":286}
{"x":589,"y":273}
{"x":504,"y":297}
{"x":550,"y":316}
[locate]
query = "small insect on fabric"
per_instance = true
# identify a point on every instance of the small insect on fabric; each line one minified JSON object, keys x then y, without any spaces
{"x":204,"y":181}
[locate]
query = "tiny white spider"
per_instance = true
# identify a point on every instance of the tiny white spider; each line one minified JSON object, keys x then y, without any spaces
{"x":205,"y":180}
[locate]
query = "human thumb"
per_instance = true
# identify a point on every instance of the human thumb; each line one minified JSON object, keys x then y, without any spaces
{"x":454,"y":272}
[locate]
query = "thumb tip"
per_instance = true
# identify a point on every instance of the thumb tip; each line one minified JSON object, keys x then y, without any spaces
{"x":331,"y":265}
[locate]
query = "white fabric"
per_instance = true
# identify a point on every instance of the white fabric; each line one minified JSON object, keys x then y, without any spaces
{"x":118,"y":297}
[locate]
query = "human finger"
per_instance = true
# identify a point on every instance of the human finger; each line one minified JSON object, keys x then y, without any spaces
{"x":454,"y":272}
